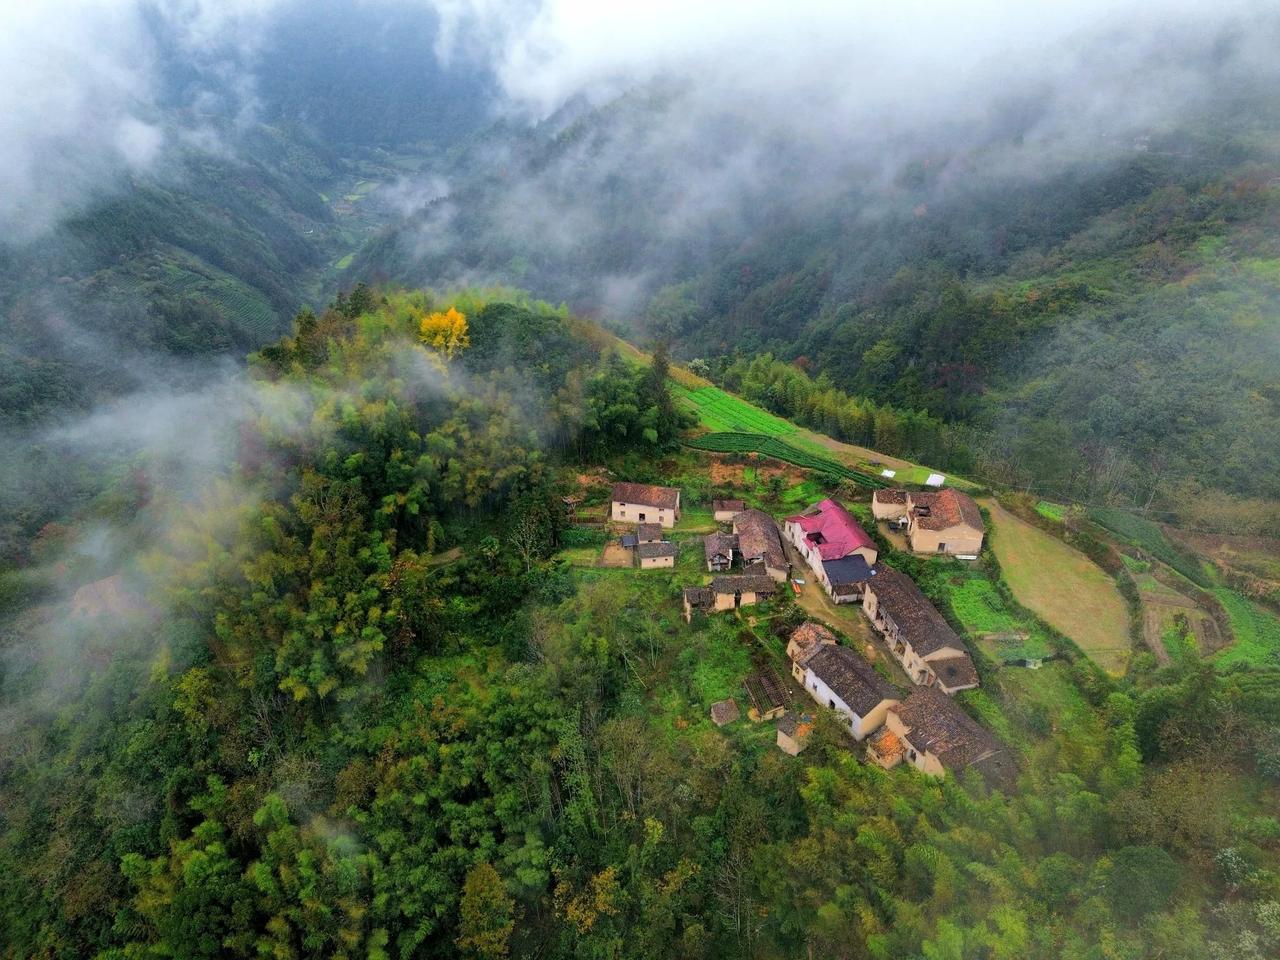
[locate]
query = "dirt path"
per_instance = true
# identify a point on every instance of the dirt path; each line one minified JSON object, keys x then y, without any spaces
{"x":1064,"y":587}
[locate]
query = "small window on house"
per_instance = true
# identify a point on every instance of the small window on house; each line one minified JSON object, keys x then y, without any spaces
{"x":831,"y":704}
{"x":942,"y":547}
{"x":642,"y":518}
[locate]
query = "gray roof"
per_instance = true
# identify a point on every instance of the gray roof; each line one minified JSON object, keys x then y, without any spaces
{"x":851,"y":678}
{"x":758,"y":537}
{"x":720,"y":506}
{"x":647,"y":551}
{"x":647,"y":495}
{"x":935,"y":723}
{"x":850,"y":569}
{"x":700,"y":598}
{"x":722,"y":543}
{"x":724,"y":711}
{"x":919,"y":621}
{"x":648,"y":532}
{"x":746,"y":584}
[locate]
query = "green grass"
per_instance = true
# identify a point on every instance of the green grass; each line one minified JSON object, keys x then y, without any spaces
{"x":980,"y":608}
{"x":1051,"y":511}
{"x":345,"y":261}
{"x":781,"y":450}
{"x":1148,"y":536}
{"x":1256,"y":630}
{"x":720,"y":411}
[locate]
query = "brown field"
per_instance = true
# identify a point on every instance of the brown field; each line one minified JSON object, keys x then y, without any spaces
{"x":1064,"y":587}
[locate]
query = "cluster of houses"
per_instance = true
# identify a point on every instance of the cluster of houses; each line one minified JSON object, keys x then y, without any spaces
{"x":749,"y":563}
{"x":926,"y":729}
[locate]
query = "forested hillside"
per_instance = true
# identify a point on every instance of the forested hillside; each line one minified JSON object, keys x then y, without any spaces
{"x":1100,"y":326}
{"x":354,"y":696}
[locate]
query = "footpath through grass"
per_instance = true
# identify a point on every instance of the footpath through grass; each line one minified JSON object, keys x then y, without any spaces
{"x":1064,"y":587}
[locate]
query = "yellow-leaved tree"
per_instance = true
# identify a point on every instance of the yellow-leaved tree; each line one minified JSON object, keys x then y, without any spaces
{"x":446,"y":331}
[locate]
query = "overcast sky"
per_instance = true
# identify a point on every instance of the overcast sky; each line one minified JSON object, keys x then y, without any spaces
{"x":79,"y":91}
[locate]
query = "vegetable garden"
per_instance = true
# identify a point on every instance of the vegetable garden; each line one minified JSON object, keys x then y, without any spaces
{"x":734,"y":442}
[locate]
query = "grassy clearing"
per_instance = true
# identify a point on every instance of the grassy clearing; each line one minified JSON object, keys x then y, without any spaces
{"x":980,"y":608}
{"x":1064,"y":587}
{"x":1257,"y":632}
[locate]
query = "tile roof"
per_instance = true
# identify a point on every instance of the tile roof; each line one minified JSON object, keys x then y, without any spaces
{"x":847,"y":570}
{"x":700,"y":598}
{"x":630,"y":540}
{"x":887,"y":495}
{"x":757,"y":583}
{"x":936,"y":724}
{"x":945,"y":509}
{"x":647,"y":551}
{"x":795,"y":725}
{"x":918,"y":620}
{"x":724,"y":711}
{"x":646,"y":494}
{"x":887,"y":746}
{"x":720,"y":506}
{"x":833,"y":529}
{"x":719,"y":543}
{"x":955,"y":672}
{"x":648,"y":532}
{"x":758,"y":537}
{"x":851,"y":678}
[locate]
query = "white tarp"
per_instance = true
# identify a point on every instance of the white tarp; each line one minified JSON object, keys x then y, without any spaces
{"x":889,"y":473}
{"x":935,"y":480}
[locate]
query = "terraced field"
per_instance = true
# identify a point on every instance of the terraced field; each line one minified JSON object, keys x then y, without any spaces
{"x":720,"y":411}
{"x":771,"y":446}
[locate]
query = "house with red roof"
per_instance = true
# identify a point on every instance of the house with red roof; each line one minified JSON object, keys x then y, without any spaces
{"x":836,"y":548}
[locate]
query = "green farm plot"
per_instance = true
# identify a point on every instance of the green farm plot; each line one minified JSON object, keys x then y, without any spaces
{"x":1063,"y":586}
{"x":718,"y":410}
{"x":781,"y":450}
{"x":1257,"y":632}
{"x":1141,"y":532}
{"x":980,"y":608}
{"x":1051,"y":511}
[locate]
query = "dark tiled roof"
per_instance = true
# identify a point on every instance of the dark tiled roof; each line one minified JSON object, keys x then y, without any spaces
{"x":921,"y":624}
{"x":758,"y":537}
{"x":630,"y":540}
{"x":700,"y":598}
{"x":955,"y":672}
{"x":724,"y":543}
{"x":647,"y":551}
{"x":890,"y":496}
{"x":851,"y":678}
{"x":720,"y":506}
{"x":850,"y":569}
{"x":935,"y":723}
{"x":724,"y":711}
{"x":646,"y":494}
{"x":648,"y":532}
{"x":747,"y":584}
{"x":945,"y":509}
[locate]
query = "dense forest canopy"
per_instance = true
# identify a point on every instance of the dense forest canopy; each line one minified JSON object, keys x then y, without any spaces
{"x":298,"y":721}
{"x":326,"y":328}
